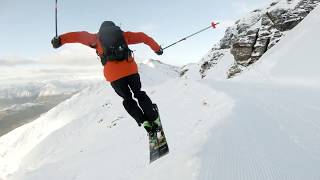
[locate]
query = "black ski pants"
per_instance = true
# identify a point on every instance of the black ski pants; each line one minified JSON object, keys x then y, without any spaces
{"x":141,"y":112}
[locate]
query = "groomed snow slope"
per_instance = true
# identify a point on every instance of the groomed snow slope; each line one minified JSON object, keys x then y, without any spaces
{"x":239,"y":129}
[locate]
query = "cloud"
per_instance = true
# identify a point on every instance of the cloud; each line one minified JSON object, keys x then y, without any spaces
{"x":72,"y":55}
{"x":68,"y":55}
{"x":70,"y":61}
{"x":15,"y":61}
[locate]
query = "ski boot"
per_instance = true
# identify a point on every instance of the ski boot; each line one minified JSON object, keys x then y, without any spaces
{"x":150,"y":127}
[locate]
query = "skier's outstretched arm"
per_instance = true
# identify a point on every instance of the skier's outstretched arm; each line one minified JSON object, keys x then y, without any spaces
{"x":140,"y":37}
{"x":82,"y":37}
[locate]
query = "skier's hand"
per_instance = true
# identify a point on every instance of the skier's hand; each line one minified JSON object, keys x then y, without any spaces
{"x":56,"y":42}
{"x":160,"y":52}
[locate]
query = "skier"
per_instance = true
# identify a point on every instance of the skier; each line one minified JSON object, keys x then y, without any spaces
{"x":120,"y":68}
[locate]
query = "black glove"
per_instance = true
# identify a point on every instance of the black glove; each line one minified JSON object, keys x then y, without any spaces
{"x":56,"y":42}
{"x":160,"y":52}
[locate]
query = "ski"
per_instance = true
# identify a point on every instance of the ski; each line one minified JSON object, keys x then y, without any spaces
{"x":157,"y":142}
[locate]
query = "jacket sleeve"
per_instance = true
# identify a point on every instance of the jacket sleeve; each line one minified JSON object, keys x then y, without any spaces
{"x":140,"y":37}
{"x":82,"y":37}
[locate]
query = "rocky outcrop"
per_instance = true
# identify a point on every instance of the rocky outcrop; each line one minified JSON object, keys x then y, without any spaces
{"x":234,"y":69}
{"x":209,"y":62}
{"x":249,"y":43}
{"x":243,"y":46}
{"x":255,"y":34}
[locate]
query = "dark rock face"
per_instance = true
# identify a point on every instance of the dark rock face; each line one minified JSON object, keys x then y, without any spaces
{"x":249,"y":43}
{"x":234,"y":70}
{"x":285,"y":20}
{"x":243,"y":46}
{"x":255,"y":34}
{"x":183,"y":72}
{"x":225,"y":42}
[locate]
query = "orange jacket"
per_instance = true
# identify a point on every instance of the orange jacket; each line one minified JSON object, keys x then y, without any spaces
{"x":113,"y":70}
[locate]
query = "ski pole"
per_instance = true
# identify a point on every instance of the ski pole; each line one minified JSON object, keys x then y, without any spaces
{"x":213,"y":25}
{"x":56,"y":15}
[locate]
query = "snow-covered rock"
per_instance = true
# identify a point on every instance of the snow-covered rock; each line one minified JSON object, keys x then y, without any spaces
{"x":254,"y":34}
{"x":294,"y":60}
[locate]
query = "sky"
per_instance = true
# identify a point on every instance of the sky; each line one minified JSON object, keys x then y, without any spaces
{"x":27,"y":27}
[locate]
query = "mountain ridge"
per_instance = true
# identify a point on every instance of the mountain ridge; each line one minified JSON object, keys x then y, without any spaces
{"x":253,"y":35}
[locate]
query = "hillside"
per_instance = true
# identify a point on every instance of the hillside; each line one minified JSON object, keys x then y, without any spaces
{"x":250,"y":38}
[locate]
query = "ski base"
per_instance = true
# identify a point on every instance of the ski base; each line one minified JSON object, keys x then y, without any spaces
{"x":158,"y":145}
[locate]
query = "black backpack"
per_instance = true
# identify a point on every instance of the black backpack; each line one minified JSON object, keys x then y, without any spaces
{"x":114,"y":45}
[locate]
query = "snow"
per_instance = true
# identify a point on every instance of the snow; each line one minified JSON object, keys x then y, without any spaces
{"x":87,"y":133}
{"x":285,"y":4}
{"x":156,"y":72}
{"x":220,"y":61}
{"x":219,"y":71}
{"x":191,"y":71}
{"x":269,"y":135}
{"x":294,"y":60}
{"x":251,"y":19}
{"x":262,"y":125}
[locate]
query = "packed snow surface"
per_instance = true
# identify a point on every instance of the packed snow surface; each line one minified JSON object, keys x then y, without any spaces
{"x":246,"y":129}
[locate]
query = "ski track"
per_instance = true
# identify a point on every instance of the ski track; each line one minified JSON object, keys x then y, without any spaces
{"x":274,"y":143}
{"x":91,"y":138}
{"x":235,"y":134}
